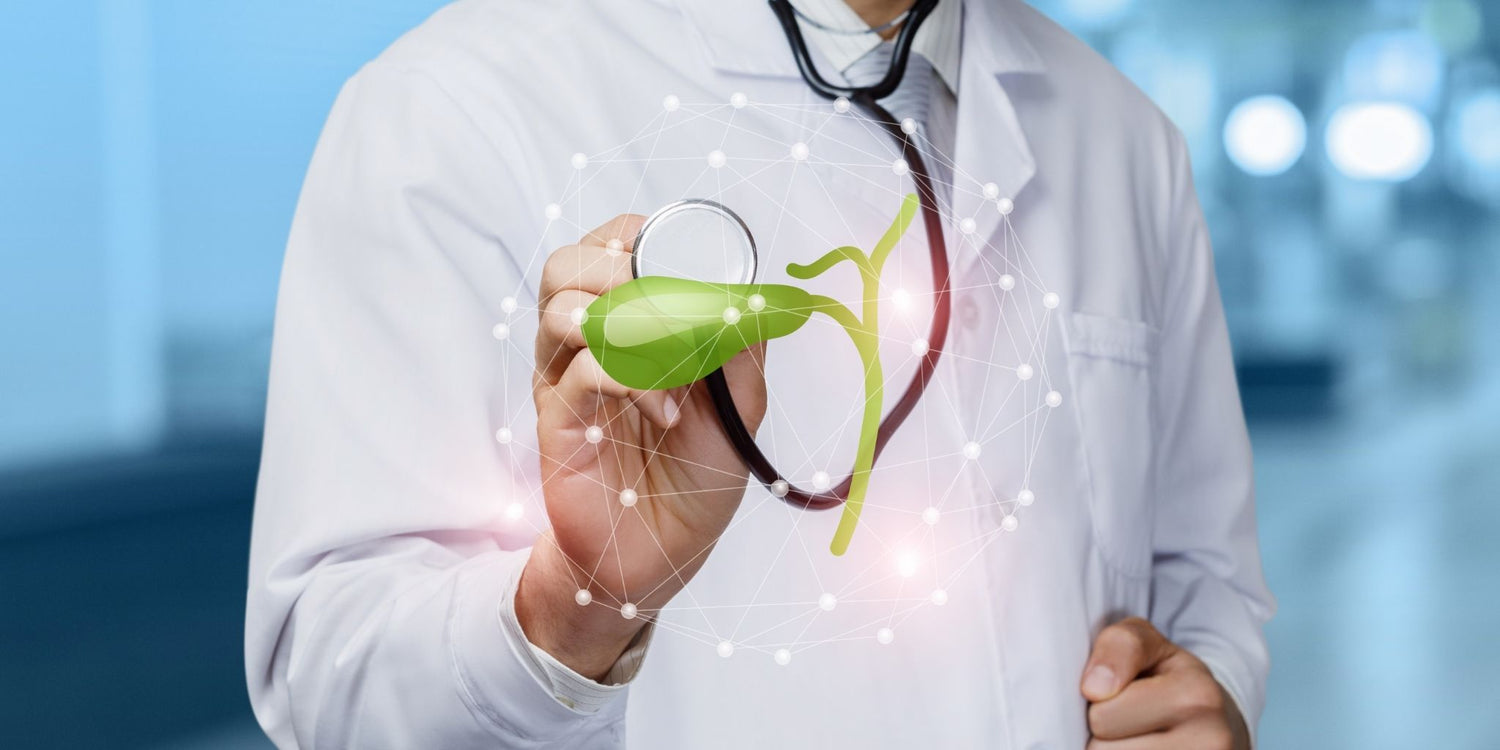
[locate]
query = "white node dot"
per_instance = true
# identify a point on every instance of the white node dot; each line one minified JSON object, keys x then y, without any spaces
{"x":553,"y":211}
{"x":885,"y":636}
{"x":841,"y":104}
{"x":908,"y":126}
{"x":580,"y":160}
{"x":991,"y":191}
{"x":716,"y":159}
{"x":1005,"y":205}
{"x":971,"y":450}
{"x":919,"y":347}
{"x":906,"y":564}
{"x":931,"y":515}
{"x":731,"y":315}
{"x":738,"y":100}
{"x":503,"y":435}
{"x":628,"y":611}
{"x":1026,"y":497}
{"x":827,"y":602}
{"x":900,"y":167}
{"x":967,"y":225}
{"x":579,"y":316}
{"x":593,"y":434}
{"x":514,"y":511}
{"x":614,"y":247}
{"x":783,"y":657}
{"x":800,"y":151}
{"x":1054,"y":399}
{"x":501,"y":331}
{"x":508,"y":305}
{"x":902,"y":298}
{"x":1010,"y":523}
{"x":583,"y":597}
{"x":670,"y":103}
{"x":939,"y":597}
{"x":1050,"y":300}
{"x":779,"y":488}
{"x":1007,"y":282}
{"x":725,"y":649}
{"x":1025,"y":372}
{"x":628,"y":497}
{"x":821,"y":480}
{"x":756,"y":303}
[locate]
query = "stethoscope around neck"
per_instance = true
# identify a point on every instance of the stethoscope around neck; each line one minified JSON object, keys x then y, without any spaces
{"x":866,"y":98}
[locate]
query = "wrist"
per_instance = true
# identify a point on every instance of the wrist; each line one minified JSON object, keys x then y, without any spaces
{"x":588,"y":639}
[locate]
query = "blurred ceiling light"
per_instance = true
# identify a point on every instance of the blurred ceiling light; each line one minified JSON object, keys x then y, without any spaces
{"x":1265,"y":135}
{"x":1456,"y":25}
{"x":1096,"y":13}
{"x":1404,"y":66}
{"x":1382,"y":141}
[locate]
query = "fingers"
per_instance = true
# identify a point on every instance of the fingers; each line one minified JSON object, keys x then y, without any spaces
{"x":591,"y":268}
{"x":1121,"y":652}
{"x":1196,"y":735}
{"x":1156,"y":703}
{"x":572,"y":278}
{"x":560,"y":335}
{"x":584,"y":383}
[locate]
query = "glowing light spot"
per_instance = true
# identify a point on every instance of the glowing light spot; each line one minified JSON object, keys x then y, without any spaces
{"x":1026,"y":497}
{"x":991,"y":191}
{"x":503,"y":436}
{"x":725,"y":649}
{"x":919,"y":347}
{"x":971,"y":450}
{"x":779,"y":488}
{"x":1005,"y":206}
{"x":756,"y":302}
{"x":738,"y":100}
{"x":841,"y":105}
{"x":967,"y":225}
{"x":593,"y":434}
{"x":827,"y":602}
{"x":628,"y":611}
{"x":614,"y":247}
{"x":670,"y":103}
{"x":1007,"y":282}
{"x":731,"y":315}
{"x":900,"y":167}
{"x":783,"y":657}
{"x":908,"y":126}
{"x":1010,"y":523}
{"x":931,"y":515}
{"x":1265,"y":135}
{"x":902,"y":298}
{"x":906,"y":564}
{"x":1054,"y":399}
{"x":1385,"y":141}
{"x":514,"y":511}
{"x":628,"y":497}
{"x":508,"y":305}
{"x":716,"y":159}
{"x":1025,"y":372}
{"x":1050,"y":300}
{"x":579,"y":316}
{"x":553,"y":211}
{"x":885,"y":636}
{"x":583,"y":597}
{"x":580,"y":160}
{"x":939,"y":597}
{"x":501,"y":331}
{"x":800,"y":151}
{"x":821,"y":480}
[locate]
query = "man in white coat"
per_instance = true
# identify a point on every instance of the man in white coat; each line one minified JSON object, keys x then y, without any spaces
{"x":394,"y":602}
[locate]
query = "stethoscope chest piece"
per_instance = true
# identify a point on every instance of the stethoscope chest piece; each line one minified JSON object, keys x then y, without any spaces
{"x":695,"y":239}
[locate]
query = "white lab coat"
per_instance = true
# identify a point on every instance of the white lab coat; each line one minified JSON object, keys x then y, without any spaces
{"x":382,"y":547}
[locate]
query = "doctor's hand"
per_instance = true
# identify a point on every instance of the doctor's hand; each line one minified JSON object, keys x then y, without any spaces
{"x":1145,"y":693}
{"x":638,"y":485}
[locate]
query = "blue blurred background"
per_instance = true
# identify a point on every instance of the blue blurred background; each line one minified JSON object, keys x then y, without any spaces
{"x":151,"y":151}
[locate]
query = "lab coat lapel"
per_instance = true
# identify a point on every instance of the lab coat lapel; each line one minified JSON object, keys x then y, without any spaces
{"x":990,"y":145}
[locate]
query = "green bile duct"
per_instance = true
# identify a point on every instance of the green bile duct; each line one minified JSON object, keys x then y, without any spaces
{"x":661,"y":332}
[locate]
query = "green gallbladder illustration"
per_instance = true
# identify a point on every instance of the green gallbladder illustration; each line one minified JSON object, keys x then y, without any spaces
{"x":660,"y":332}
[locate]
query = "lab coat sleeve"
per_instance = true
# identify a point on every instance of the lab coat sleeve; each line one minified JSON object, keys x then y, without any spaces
{"x":1208,"y":592}
{"x":385,"y":544}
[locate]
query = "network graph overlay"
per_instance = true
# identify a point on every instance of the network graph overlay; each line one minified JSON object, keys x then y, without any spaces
{"x":808,"y":178}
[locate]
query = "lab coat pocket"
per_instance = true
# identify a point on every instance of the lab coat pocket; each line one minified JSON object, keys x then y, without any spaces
{"x":1110,"y":361}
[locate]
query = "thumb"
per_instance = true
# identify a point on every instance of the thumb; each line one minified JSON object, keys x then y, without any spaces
{"x":1121,"y":653}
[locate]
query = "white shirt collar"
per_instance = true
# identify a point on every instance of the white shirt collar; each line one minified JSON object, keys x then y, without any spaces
{"x":939,"y":39}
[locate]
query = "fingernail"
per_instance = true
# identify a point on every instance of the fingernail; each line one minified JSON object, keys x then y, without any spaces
{"x":670,"y":409}
{"x":1100,"y":681}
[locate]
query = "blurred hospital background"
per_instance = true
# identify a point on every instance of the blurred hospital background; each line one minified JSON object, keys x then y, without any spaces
{"x":151,"y":152}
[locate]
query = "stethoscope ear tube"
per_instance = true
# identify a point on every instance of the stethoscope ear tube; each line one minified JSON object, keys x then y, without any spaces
{"x":932,"y":220}
{"x":787,"y":15}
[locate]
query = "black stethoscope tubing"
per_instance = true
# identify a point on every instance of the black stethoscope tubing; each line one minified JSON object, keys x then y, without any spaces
{"x":865,"y":97}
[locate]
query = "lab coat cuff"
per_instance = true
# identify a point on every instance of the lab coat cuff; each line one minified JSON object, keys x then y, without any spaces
{"x":499,"y":675}
{"x":1232,"y":685}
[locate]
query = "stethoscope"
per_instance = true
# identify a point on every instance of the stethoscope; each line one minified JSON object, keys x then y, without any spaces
{"x":696,"y":223}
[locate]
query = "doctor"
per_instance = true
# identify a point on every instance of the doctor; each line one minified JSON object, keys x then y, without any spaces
{"x":391,"y":604}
